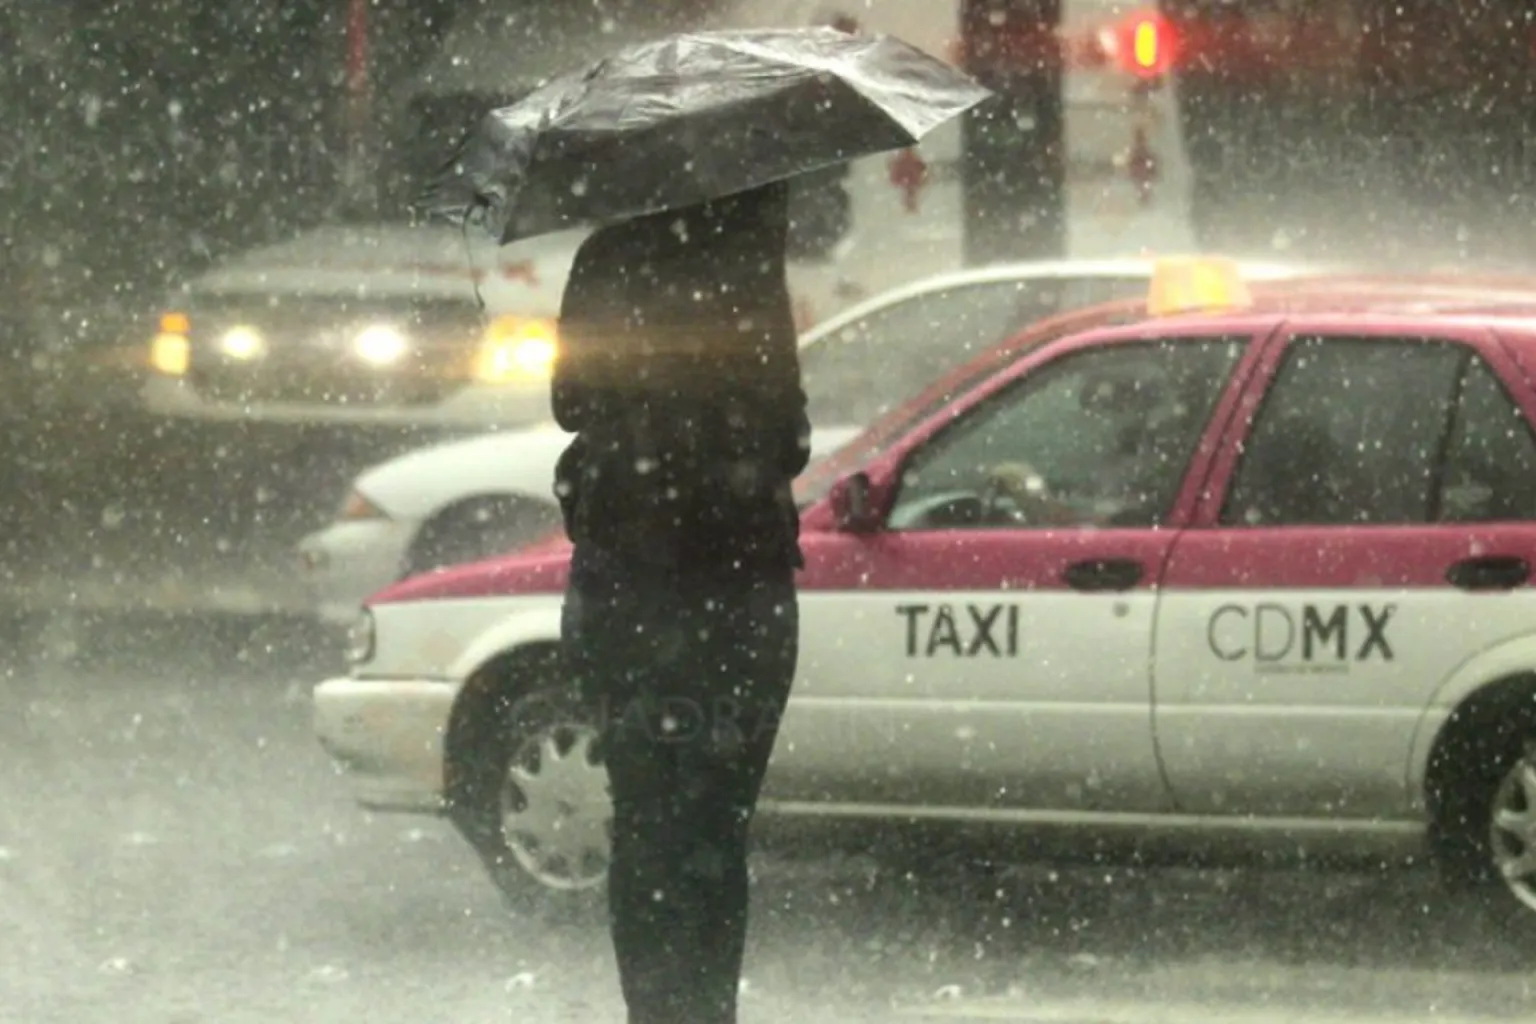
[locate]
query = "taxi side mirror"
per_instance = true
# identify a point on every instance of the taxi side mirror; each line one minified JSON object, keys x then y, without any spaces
{"x":852,"y":504}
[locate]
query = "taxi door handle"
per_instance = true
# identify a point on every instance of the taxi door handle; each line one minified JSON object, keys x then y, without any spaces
{"x":1104,"y":574}
{"x":1493,"y":572}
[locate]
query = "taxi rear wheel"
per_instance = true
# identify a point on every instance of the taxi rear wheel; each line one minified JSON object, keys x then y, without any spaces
{"x":532,"y":800}
{"x":1485,"y":827}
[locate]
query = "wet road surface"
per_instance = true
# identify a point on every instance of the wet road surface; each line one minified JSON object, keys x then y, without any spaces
{"x":174,"y":849}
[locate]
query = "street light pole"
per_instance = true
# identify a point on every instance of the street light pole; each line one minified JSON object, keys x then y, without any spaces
{"x":357,"y":176}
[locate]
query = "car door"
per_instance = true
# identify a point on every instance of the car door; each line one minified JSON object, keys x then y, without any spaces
{"x":858,"y":372}
{"x":989,"y":648}
{"x":1370,"y":532}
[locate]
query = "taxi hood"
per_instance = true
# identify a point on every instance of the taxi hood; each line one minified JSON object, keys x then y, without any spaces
{"x":539,"y":568}
{"x":522,"y":462}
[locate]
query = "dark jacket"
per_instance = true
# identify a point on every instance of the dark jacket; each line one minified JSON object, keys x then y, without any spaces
{"x":679,"y":374}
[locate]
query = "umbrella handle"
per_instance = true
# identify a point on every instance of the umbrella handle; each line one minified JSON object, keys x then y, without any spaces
{"x":469,"y":258}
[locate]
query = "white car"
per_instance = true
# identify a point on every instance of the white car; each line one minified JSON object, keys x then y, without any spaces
{"x":380,"y":326}
{"x":375,"y":325}
{"x":463,"y":500}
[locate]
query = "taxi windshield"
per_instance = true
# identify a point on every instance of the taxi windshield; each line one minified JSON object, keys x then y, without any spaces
{"x":858,"y":372}
{"x":818,"y":479}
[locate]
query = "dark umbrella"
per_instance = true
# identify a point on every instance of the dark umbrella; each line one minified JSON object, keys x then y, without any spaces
{"x":692,"y":117}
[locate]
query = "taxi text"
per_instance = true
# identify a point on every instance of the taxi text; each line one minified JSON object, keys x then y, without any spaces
{"x":1307,"y":637}
{"x":961,"y":631}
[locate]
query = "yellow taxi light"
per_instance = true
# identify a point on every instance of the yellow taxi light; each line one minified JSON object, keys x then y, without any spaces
{"x":175,"y":323}
{"x":1190,"y":284}
{"x":517,"y":349}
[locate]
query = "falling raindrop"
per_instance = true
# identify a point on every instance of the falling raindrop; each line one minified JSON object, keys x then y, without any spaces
{"x":117,"y":965}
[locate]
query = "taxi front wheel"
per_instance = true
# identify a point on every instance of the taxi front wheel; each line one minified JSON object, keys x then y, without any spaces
{"x":536,"y":808}
{"x":1485,"y":833}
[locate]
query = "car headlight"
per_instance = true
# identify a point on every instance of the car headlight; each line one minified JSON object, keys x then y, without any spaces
{"x":360,"y":638}
{"x":381,"y":345}
{"x":170,"y":353}
{"x":517,"y":349}
{"x":243,"y":343}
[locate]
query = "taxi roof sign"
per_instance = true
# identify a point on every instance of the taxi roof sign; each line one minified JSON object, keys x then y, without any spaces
{"x":1192,"y":284}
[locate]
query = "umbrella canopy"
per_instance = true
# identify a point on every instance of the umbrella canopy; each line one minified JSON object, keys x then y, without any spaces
{"x":692,"y":117}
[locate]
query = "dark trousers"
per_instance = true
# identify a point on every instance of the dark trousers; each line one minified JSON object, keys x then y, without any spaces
{"x":690,"y":676}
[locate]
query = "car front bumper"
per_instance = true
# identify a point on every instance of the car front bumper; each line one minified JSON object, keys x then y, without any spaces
{"x":387,"y":737}
{"x":474,"y":407}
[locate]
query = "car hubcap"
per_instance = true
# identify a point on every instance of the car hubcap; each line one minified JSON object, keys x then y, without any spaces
{"x":556,"y":815}
{"x":1514,"y":829}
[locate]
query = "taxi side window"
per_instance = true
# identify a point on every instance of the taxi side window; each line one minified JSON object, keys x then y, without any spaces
{"x":874,"y":364}
{"x":1350,"y":433}
{"x":1489,"y":473}
{"x":1099,"y":437}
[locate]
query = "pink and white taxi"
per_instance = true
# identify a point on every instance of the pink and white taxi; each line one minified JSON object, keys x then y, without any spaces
{"x":1250,"y":574}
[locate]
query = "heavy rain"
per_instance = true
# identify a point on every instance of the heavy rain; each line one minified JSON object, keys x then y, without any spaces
{"x":1169,"y":516}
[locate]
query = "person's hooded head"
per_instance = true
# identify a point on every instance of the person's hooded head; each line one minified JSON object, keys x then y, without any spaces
{"x":702,"y":288}
{"x":695,"y":264}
